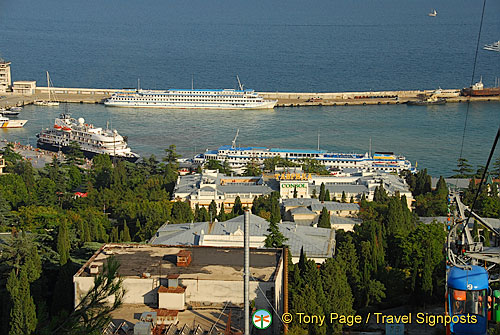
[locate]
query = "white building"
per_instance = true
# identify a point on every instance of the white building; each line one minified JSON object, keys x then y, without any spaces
{"x":201,"y":189}
{"x":5,"y":78}
{"x":24,"y":87}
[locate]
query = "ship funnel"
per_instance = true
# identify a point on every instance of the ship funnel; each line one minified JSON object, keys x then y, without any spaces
{"x":81,"y":121}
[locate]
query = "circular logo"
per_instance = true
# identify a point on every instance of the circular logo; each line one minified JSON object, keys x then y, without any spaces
{"x":262,"y":319}
{"x":469,"y":286}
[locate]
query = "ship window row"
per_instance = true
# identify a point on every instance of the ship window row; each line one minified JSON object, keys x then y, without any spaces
{"x":190,"y":100}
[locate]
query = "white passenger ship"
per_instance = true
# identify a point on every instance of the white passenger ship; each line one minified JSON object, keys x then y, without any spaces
{"x":238,"y":158}
{"x":92,"y":140}
{"x":190,"y":99}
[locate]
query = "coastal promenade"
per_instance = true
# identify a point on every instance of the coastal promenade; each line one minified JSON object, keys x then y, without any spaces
{"x":285,"y":99}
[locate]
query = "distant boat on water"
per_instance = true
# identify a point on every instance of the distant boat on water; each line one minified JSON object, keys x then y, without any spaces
{"x":433,"y":13}
{"x":493,"y":46}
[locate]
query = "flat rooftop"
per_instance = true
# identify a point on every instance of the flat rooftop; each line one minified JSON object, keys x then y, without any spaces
{"x":208,"y":263}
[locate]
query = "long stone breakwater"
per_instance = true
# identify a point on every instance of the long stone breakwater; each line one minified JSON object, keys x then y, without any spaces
{"x":285,"y":99}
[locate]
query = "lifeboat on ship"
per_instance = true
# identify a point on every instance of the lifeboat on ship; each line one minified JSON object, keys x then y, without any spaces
{"x":66,"y":129}
{"x":57,"y":127}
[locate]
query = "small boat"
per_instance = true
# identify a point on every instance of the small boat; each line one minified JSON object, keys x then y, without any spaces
{"x":433,"y":13}
{"x":495,"y":46}
{"x":9,"y":112}
{"x":428,"y":101}
{"x":16,"y":109}
{"x":5,"y":122}
{"x":51,"y":101}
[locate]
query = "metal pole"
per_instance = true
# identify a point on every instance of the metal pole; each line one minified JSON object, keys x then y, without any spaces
{"x":247,"y":271}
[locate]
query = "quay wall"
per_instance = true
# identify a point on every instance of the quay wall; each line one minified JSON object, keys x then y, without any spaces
{"x":288,"y":99}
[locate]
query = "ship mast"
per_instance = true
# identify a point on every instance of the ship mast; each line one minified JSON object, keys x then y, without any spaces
{"x":233,"y":146}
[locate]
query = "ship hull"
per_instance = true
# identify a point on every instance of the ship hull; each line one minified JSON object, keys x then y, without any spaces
{"x":87,"y":154}
{"x":481,"y":93}
{"x":13,"y":123}
{"x":425,"y":103}
{"x":265,"y":105}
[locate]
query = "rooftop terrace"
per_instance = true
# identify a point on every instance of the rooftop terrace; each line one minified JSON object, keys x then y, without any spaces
{"x":208,"y":263}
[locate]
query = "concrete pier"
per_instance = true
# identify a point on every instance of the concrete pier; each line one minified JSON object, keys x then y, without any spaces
{"x":285,"y":99}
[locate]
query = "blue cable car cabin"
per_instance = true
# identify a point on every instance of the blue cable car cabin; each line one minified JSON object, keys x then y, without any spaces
{"x":468,"y":294}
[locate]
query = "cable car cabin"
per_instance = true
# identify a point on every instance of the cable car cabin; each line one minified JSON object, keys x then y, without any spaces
{"x":468,"y":294}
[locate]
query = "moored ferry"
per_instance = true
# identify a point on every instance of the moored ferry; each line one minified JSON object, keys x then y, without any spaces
{"x":190,"y":99}
{"x":5,"y":122}
{"x":92,"y":141}
{"x":238,"y":158}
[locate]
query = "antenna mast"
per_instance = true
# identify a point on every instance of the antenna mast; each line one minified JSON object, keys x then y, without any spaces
{"x":318,"y":139}
{"x":239,"y":83}
{"x":192,"y":82}
{"x":233,"y":146}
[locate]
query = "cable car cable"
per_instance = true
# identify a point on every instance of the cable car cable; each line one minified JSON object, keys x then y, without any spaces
{"x":472,"y":77}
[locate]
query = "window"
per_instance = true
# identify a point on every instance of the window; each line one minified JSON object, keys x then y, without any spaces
{"x":468,"y":302}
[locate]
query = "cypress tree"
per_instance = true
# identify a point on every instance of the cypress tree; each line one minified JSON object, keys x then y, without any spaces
{"x":324,"y":219}
{"x":327,"y":195}
{"x":63,"y":244}
{"x":212,"y":210}
{"x":222,"y":214}
{"x":203,"y":216}
{"x":126,"y":233}
{"x":322,"y":192}
{"x":237,"y":207}
{"x":295,"y":192}
{"x":23,"y":312}
{"x":344,"y":197}
{"x":114,"y":235}
{"x":275,"y":211}
{"x":197,"y":213}
{"x":351,"y":200}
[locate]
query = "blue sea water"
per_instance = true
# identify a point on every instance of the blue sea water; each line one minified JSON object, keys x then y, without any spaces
{"x":313,"y":46}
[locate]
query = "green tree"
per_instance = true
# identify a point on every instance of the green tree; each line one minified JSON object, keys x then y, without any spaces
{"x":181,"y":212}
{"x":495,"y":169}
{"x":237,"y":207}
{"x":322,"y":192}
{"x":93,"y":312}
{"x":126,"y":233}
{"x":463,"y":170}
{"x":327,"y":195}
{"x":212,"y":210}
{"x":252,"y":169}
{"x":63,"y":245}
{"x":336,"y":288}
{"x":23,"y":312}
{"x":275,"y":239}
{"x":171,"y":156}
{"x":222,"y":214}
{"x":324,"y":219}
{"x":344,"y":198}
{"x":75,"y":154}
{"x":314,"y":195}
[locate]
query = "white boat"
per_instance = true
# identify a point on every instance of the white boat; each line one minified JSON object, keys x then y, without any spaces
{"x":92,"y":141}
{"x":16,"y":109}
{"x":51,"y":101}
{"x":5,"y":122}
{"x":495,"y":46}
{"x":191,"y":99}
{"x":433,"y":13}
{"x":9,"y":112}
